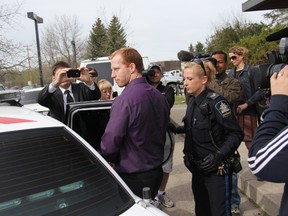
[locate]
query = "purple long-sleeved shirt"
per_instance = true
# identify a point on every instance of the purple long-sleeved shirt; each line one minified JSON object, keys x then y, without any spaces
{"x":135,"y":135}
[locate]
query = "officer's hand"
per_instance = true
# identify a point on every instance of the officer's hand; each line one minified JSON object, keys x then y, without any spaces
{"x":180,"y":129}
{"x":176,"y":130}
{"x":211,"y":162}
{"x":172,"y":127}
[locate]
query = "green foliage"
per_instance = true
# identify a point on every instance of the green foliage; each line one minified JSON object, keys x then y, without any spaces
{"x":199,"y":48}
{"x":97,"y":40}
{"x":191,"y":48}
{"x":103,"y":41}
{"x":258,"y":46}
{"x":278,"y":16}
{"x":231,"y":33}
{"x":179,"y":100}
{"x":247,"y":34}
{"x":116,"y":36}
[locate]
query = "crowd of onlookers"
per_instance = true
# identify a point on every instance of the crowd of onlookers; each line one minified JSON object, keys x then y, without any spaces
{"x":221,"y":113}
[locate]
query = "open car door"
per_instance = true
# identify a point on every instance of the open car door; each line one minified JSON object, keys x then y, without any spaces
{"x":89,"y":119}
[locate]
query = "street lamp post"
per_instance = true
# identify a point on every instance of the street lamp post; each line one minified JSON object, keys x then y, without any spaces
{"x":74,"y":53}
{"x":37,"y":20}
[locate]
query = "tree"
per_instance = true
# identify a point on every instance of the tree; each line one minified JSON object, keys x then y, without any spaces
{"x":232,"y":32}
{"x":278,"y":16}
{"x":247,"y":34}
{"x":116,"y":36}
{"x":191,"y":48}
{"x":58,"y":40}
{"x":8,"y":59}
{"x":97,"y":40}
{"x":199,"y":49}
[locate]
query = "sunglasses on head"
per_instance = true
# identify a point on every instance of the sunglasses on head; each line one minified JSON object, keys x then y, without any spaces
{"x":200,"y":62}
{"x":233,"y":57}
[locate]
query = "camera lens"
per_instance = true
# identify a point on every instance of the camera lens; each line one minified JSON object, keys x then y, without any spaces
{"x":274,"y":69}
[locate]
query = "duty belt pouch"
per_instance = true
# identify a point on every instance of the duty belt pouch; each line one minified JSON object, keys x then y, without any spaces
{"x":188,"y":163}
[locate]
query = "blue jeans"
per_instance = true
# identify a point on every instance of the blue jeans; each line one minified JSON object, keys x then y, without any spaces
{"x":235,"y":197}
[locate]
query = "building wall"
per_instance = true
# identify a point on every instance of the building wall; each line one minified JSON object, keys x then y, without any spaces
{"x":169,"y":65}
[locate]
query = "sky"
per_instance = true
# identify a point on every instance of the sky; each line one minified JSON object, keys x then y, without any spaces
{"x":157,"y":29}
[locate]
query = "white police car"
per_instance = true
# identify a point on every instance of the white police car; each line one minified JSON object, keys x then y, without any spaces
{"x":48,"y":169}
{"x":29,"y":100}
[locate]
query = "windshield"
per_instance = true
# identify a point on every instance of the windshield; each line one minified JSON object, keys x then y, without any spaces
{"x":49,"y":172}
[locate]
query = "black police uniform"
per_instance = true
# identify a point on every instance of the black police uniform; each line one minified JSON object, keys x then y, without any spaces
{"x":210,"y":113}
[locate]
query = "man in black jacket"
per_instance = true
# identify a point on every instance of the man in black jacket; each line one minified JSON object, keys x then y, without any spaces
{"x":61,"y":90}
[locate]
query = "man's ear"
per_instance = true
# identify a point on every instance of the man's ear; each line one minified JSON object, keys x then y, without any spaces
{"x":132,"y":67}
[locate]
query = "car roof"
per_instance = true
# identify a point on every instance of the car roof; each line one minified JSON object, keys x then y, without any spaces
{"x":33,"y":89}
{"x":13,"y":118}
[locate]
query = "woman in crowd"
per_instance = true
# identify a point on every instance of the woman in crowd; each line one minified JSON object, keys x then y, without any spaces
{"x":245,"y":107}
{"x":106,"y":89}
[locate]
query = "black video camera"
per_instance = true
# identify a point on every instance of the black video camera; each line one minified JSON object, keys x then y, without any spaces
{"x":148,"y":72}
{"x":277,"y":59}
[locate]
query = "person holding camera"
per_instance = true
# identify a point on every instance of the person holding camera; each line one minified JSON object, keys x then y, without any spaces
{"x":62,"y":90}
{"x":133,"y":142}
{"x":212,"y":136}
{"x":269,"y":150}
{"x":154,"y":79}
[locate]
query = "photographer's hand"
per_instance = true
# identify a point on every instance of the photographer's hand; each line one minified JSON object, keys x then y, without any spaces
{"x":85,"y":76}
{"x":279,"y":82}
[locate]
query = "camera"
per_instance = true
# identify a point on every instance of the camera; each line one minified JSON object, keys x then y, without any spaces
{"x":148,"y":72}
{"x":277,"y":60}
{"x":73,"y":73}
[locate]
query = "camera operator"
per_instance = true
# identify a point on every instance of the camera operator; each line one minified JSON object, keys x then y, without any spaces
{"x":61,"y":90}
{"x":268,"y":155}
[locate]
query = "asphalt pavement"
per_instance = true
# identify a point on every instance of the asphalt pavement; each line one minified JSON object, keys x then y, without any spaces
{"x":259,"y":198}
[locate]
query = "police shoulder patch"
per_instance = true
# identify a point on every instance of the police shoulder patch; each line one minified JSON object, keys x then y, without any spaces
{"x":212,"y":95}
{"x":223,"y":108}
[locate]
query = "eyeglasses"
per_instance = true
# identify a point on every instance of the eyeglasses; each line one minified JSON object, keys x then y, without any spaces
{"x":233,"y":57}
{"x":200,"y":62}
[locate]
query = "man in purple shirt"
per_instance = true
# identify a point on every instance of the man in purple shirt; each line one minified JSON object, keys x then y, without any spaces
{"x":135,"y":134}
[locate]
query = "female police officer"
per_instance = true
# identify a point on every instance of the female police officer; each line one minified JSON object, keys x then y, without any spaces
{"x":212,"y":136}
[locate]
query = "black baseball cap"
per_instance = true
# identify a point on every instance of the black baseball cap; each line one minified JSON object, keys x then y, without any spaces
{"x":152,"y":65}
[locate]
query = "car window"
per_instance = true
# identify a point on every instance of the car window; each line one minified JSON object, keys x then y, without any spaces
{"x":49,"y":172}
{"x":103,"y":69}
{"x":89,"y":119}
